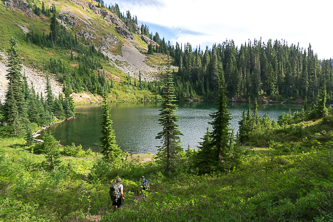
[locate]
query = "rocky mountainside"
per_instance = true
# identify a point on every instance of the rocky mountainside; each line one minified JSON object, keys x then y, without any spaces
{"x":127,"y":51}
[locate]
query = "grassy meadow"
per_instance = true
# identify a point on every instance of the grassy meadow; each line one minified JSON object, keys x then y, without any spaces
{"x":290,"y":179}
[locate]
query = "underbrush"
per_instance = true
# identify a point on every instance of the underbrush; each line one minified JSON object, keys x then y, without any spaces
{"x":270,"y":185}
{"x":266,"y":187}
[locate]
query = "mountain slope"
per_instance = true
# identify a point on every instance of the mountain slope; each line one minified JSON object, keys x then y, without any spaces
{"x":126,"y":51}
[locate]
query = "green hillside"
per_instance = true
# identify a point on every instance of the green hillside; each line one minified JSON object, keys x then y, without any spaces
{"x":73,"y":59}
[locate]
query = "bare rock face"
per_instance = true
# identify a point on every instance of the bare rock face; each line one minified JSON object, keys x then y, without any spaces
{"x":120,"y":26}
{"x":107,"y":41}
{"x":34,"y":77}
{"x":95,"y":9}
{"x":112,"y":19}
{"x":149,"y":41}
{"x":138,"y":30}
{"x":124,"y":32}
{"x":69,"y":19}
{"x":87,"y":35}
{"x":21,"y":6}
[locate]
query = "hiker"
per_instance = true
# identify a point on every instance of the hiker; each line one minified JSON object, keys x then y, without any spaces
{"x":117,"y":194}
{"x":145,"y":184}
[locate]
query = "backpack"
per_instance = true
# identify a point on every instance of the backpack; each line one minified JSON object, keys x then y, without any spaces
{"x":144,"y":184}
{"x":115,"y":192}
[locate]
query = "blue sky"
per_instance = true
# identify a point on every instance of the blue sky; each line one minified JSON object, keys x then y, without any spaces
{"x":211,"y":21}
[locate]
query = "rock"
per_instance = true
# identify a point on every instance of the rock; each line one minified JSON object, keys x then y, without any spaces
{"x":137,"y":29}
{"x":149,"y":41}
{"x":25,"y":29}
{"x":21,"y":6}
{"x":33,"y":76}
{"x":124,"y":32}
{"x":87,"y":35}
{"x":63,"y":24}
{"x":107,"y":41}
{"x":69,"y":19}
{"x":120,"y":26}
{"x":113,"y":19}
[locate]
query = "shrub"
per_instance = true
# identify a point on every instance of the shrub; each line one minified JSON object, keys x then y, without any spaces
{"x":72,"y":150}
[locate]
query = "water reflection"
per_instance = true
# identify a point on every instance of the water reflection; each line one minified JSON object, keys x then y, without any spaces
{"x":136,"y":125}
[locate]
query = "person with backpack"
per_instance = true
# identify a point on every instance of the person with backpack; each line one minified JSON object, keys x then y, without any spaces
{"x":145,"y":184}
{"x":117,"y":194}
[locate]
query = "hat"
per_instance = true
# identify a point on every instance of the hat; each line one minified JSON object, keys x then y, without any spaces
{"x":118,"y":179}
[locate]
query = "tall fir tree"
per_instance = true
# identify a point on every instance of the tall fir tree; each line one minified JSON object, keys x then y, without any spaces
{"x":220,"y":133}
{"x":170,"y":135}
{"x":49,"y":95}
{"x":15,"y":104}
{"x":54,"y":27}
{"x":321,"y":109}
{"x":110,"y":150}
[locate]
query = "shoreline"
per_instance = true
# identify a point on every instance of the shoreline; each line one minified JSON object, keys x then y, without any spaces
{"x":36,"y":134}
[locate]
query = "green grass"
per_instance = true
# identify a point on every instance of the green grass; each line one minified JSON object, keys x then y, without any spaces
{"x":270,"y":185}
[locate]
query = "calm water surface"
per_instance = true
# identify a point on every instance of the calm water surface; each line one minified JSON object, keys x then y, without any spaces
{"x":136,"y":125}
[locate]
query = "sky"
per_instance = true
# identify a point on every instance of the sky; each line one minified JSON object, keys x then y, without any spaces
{"x":211,"y":21}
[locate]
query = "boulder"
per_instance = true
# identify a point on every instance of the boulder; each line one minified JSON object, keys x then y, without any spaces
{"x":21,"y":6}
{"x":87,"y":35}
{"x":69,"y":19}
{"x":124,"y":32}
{"x":149,"y":41}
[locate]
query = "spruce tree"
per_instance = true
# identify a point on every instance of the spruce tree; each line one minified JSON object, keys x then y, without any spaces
{"x":29,"y":136}
{"x":53,"y":27}
{"x":204,"y":161}
{"x":49,"y":95}
{"x":110,"y":150}
{"x":15,"y":104}
{"x":170,"y":135}
{"x":256,"y":117}
{"x":321,"y":109}
{"x":220,"y":133}
{"x":51,"y":149}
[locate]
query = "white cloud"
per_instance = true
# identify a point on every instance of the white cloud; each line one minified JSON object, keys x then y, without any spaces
{"x":295,"y":21}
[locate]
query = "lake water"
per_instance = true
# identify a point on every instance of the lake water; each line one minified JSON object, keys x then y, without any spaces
{"x":136,"y":125}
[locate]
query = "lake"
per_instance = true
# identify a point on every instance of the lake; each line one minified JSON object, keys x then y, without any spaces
{"x":136,"y":125}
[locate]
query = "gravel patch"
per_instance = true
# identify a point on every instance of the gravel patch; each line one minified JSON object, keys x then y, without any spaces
{"x":132,"y":62}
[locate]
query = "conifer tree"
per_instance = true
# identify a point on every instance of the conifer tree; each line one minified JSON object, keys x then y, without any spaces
{"x":170,"y":135}
{"x":29,"y":135}
{"x":256,"y":117}
{"x":51,"y":149}
{"x":321,"y":109}
{"x":220,"y":133}
{"x":243,"y":129}
{"x":15,"y":104}
{"x":110,"y":150}
{"x":49,"y":95}
{"x":150,"y":49}
{"x":53,"y":27}
{"x":140,"y":81}
{"x":305,"y":105}
{"x":205,"y":162}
